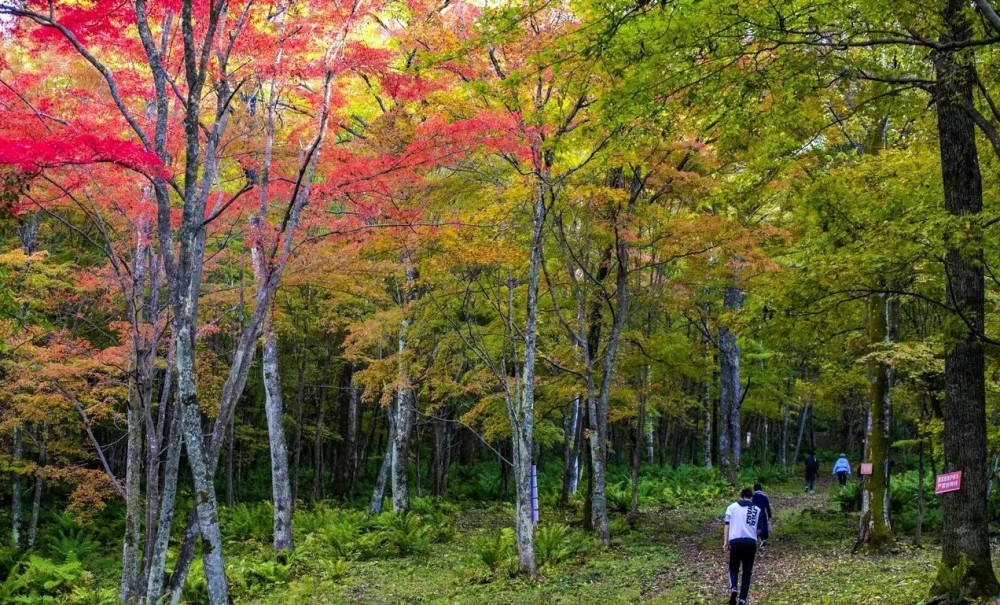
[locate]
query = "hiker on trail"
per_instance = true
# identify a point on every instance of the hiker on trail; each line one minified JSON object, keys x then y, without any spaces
{"x":842,"y":468}
{"x":812,"y":469}
{"x":739,"y":539}
{"x":760,"y":501}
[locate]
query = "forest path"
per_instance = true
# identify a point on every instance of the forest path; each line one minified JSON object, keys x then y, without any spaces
{"x":703,"y":566}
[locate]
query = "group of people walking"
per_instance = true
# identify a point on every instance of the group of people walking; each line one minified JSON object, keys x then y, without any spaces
{"x":747,"y":526}
{"x":841,"y":468}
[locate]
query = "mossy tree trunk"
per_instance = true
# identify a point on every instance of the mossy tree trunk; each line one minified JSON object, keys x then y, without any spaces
{"x":964,"y":517}
{"x":876,"y":531}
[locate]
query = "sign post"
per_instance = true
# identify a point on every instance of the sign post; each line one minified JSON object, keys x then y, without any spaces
{"x":534,"y":494}
{"x":866,"y":468}
{"x":948,"y":482}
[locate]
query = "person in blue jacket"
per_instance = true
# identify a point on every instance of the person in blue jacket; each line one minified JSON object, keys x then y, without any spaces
{"x":842,"y":468}
{"x":760,"y":501}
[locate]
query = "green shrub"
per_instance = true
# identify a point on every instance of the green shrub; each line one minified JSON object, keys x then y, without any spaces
{"x":619,"y":497}
{"x":951,"y":580}
{"x":619,"y":526}
{"x":79,"y":543}
{"x":248,"y":522}
{"x":274,"y":570}
{"x":551,"y":544}
{"x":84,"y":595}
{"x":307,"y":522}
{"x":38,"y":579}
{"x":406,"y":533}
{"x":496,"y":550}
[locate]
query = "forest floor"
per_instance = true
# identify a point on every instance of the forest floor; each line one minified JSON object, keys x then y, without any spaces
{"x":671,"y":557}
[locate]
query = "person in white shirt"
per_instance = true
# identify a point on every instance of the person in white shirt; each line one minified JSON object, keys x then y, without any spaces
{"x":739,"y":539}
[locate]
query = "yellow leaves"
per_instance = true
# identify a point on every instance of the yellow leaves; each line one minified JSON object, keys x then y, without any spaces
{"x":17,"y":257}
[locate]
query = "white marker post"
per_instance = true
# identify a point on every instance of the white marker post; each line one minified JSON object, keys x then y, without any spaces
{"x":534,"y":494}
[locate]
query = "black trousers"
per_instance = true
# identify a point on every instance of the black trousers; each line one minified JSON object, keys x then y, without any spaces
{"x":741,"y":554}
{"x":810,"y":479}
{"x":842,"y":477}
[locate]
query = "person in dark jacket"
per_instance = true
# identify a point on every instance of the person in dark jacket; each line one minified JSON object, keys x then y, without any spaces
{"x":812,"y":469}
{"x":764,"y":524}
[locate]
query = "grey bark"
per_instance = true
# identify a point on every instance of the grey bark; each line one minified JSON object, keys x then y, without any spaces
{"x":378,"y":493}
{"x":15,"y":506}
{"x":281,"y":489}
{"x":404,"y":405}
{"x":730,"y":392}
{"x":36,"y":501}
{"x":572,"y":435}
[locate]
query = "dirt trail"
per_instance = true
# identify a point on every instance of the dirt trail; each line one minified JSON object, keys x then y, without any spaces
{"x":703,"y":564}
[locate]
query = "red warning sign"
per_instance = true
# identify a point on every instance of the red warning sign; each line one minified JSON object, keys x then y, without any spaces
{"x":948,"y":482}
{"x":866,"y":468}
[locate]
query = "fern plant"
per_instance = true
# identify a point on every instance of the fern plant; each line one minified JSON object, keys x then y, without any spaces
{"x":951,"y":580}
{"x":551,"y":544}
{"x":407,"y":533}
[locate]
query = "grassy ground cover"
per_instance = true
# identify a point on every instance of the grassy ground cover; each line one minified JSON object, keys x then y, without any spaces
{"x":447,"y":552}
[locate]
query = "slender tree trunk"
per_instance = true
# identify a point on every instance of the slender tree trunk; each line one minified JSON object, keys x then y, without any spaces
{"x":572,"y":431}
{"x":706,"y":402}
{"x":875,"y":531}
{"x":281,"y":488}
{"x":321,"y":403}
{"x":803,"y":415}
{"x":353,"y":428}
{"x":155,"y":577}
{"x":784,"y":437}
{"x":405,"y":405}
{"x":640,"y":432}
{"x":133,"y":498}
{"x":36,"y":500}
{"x":731,"y":393}
{"x":230,"y":455}
{"x":521,"y":410}
{"x":206,"y":506}
{"x":378,"y":494}
{"x":964,"y":514}
{"x":919,"y":530}
{"x":300,"y":400}
{"x":15,"y":507}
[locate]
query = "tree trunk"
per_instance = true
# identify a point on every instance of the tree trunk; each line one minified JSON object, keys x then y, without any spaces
{"x":300,"y":404}
{"x":36,"y":500}
{"x":317,"y":482}
{"x":706,"y":401}
{"x":875,"y":532}
{"x":521,"y":410}
{"x":784,"y":437}
{"x":640,"y":432}
{"x":157,"y":564}
{"x":281,"y":488}
{"x":405,"y":404}
{"x":133,"y":498}
{"x":803,"y":415}
{"x":15,"y":506}
{"x":731,"y":393}
{"x":964,"y":515}
{"x":353,"y":428}
{"x":206,"y":507}
{"x":572,"y":431}
{"x":230,"y":455}
{"x":378,"y":494}
{"x":919,"y":530}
